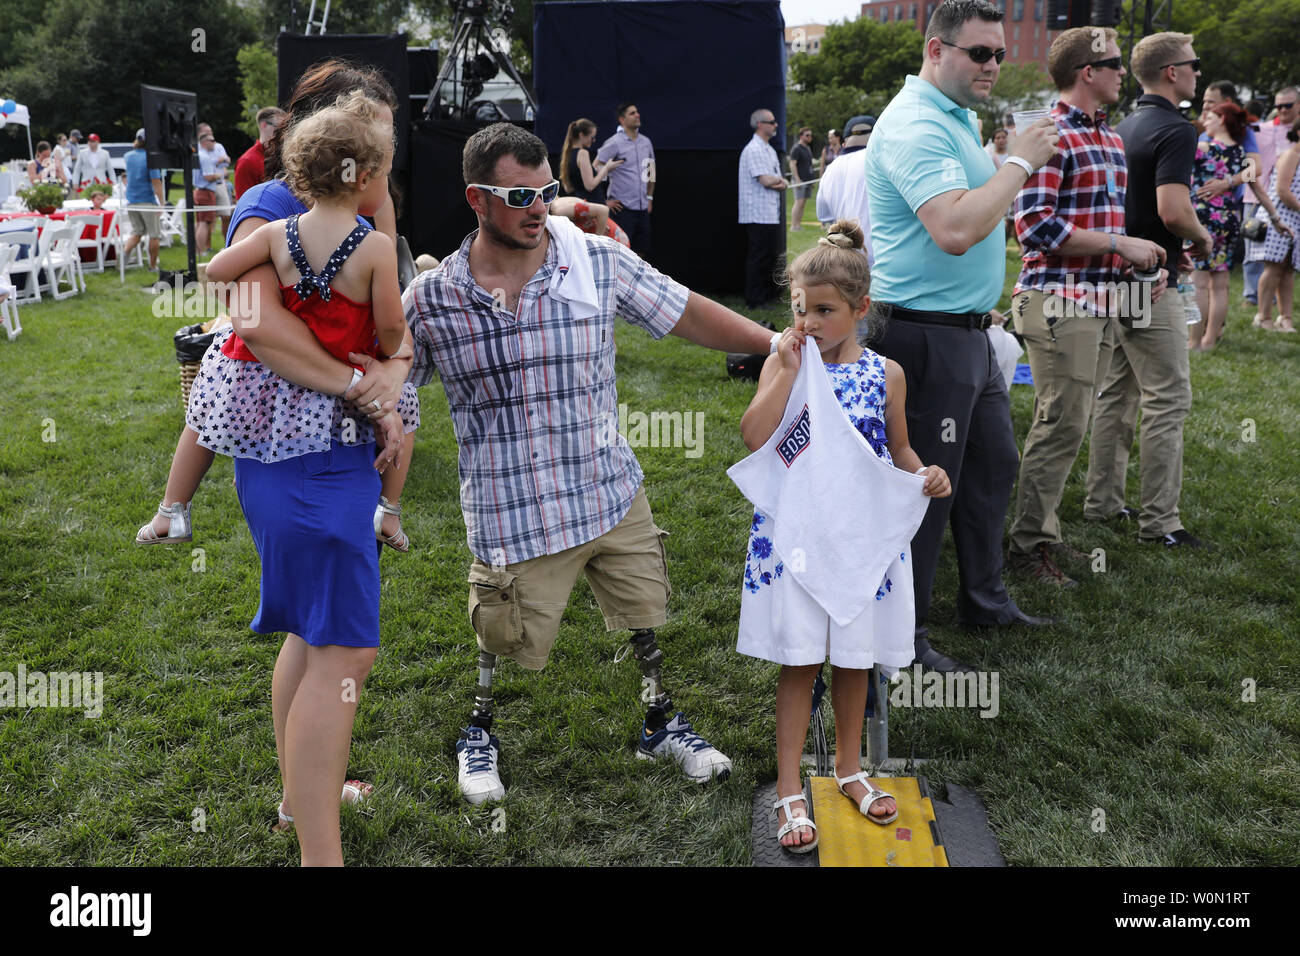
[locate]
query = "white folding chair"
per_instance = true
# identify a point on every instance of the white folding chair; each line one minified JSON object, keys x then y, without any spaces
{"x":8,"y":304}
{"x":173,"y":224}
{"x":119,"y":231}
{"x":62,"y":261}
{"x":30,"y":267}
{"x":89,"y":225}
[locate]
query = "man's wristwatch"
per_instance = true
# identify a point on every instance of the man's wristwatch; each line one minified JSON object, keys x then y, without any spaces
{"x":1022,"y":163}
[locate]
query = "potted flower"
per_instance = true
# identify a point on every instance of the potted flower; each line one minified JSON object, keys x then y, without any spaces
{"x":97,"y":193}
{"x":42,"y":197}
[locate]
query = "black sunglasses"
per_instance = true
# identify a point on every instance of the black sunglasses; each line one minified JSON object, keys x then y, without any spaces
{"x":1194,"y":64}
{"x":1284,"y":106}
{"x":1112,"y":63}
{"x":980,"y":54}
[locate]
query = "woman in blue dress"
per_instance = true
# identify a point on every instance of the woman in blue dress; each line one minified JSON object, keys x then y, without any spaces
{"x":311,"y":514}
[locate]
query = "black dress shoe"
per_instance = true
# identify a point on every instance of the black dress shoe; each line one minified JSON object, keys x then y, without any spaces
{"x":1182,"y":538}
{"x":934,"y":661}
{"x":1020,"y":618}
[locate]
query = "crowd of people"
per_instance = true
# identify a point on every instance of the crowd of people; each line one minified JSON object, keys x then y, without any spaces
{"x":313,"y":388}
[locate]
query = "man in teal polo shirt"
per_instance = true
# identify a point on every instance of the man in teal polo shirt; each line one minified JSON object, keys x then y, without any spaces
{"x":937,"y":208}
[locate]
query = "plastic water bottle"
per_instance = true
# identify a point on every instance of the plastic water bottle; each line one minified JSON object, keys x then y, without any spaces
{"x":1188,"y":291}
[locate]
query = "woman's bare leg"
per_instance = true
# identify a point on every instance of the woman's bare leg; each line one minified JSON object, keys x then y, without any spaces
{"x":290,"y":665}
{"x":317,"y":738}
{"x":1218,"y":310}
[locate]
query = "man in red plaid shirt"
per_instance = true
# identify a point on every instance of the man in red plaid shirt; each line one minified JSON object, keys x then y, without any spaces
{"x":1070,"y":224}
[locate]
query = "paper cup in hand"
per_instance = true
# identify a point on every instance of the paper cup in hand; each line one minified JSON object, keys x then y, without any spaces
{"x":1027,"y":118}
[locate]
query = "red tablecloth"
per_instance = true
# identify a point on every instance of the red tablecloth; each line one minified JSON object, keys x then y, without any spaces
{"x":87,"y":255}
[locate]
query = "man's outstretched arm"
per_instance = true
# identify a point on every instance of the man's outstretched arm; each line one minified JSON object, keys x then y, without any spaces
{"x":714,"y":326}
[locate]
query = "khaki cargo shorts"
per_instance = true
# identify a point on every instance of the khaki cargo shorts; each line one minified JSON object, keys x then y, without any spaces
{"x":516,"y":610}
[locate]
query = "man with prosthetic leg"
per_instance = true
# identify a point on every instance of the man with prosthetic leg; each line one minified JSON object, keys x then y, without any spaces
{"x":519,"y":326}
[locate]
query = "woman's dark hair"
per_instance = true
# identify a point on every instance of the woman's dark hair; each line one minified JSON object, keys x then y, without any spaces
{"x":1293,"y":134}
{"x":1234,"y":119}
{"x":320,"y":86}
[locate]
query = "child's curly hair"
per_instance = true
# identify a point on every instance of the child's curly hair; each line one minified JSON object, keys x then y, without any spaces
{"x":324,"y":154}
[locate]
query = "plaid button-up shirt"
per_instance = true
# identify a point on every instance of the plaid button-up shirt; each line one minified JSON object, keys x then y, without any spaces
{"x":755,"y":202}
{"x":1081,"y":187}
{"x":532,"y":397}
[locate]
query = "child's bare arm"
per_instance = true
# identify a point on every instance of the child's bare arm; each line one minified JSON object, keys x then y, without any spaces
{"x":386,"y":294}
{"x":900,"y":448}
{"x":767,"y":407}
{"x":248,"y":253}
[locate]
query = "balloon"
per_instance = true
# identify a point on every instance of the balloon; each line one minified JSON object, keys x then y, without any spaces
{"x":8,"y":106}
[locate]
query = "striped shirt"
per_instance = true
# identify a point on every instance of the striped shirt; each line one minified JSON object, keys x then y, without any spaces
{"x":532,"y":396}
{"x":1081,"y":187}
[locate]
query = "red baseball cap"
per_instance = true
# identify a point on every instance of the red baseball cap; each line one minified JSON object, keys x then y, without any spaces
{"x":94,"y":138}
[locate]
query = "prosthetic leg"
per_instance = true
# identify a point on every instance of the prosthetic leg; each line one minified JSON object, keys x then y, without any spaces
{"x":650,"y":657}
{"x":482,"y":714}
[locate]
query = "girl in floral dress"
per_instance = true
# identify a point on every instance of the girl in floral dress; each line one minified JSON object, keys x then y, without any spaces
{"x":829,"y":285}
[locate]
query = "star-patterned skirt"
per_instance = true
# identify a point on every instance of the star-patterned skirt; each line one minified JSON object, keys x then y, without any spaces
{"x":244,"y":410}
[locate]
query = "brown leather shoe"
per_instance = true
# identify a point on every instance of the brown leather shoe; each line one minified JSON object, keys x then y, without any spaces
{"x":1040,"y":566}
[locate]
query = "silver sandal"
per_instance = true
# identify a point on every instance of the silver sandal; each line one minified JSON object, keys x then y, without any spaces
{"x":873,"y":794}
{"x":178,"y":527}
{"x":398,"y":542}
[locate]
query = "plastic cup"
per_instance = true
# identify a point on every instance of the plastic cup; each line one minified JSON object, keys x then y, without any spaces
{"x":1027,"y":118}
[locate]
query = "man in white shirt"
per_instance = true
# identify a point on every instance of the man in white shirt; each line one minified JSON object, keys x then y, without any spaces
{"x":94,"y":165}
{"x":759,"y":201}
{"x":843,"y":193}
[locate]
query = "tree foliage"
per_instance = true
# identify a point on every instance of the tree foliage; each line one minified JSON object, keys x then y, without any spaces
{"x":258,"y":81}
{"x":81,"y":65}
{"x":862,"y":54}
{"x":1251,"y":42}
{"x":827,"y":108}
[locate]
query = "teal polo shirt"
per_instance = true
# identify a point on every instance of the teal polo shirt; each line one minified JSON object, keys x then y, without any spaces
{"x":922,"y":145}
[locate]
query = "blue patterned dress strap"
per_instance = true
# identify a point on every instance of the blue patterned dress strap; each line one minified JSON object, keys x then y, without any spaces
{"x":319,"y":283}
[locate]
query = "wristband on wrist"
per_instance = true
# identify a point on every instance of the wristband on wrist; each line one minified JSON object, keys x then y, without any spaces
{"x":357,"y":375}
{"x":775,"y":341}
{"x":1114,"y":242}
{"x":1022,"y":163}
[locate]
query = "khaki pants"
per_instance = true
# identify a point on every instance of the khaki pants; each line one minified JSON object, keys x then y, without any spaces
{"x":515,"y":610}
{"x":1065,"y":359}
{"x":1147,"y":369}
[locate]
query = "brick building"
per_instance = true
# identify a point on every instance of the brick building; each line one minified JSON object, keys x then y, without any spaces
{"x":1026,"y":24}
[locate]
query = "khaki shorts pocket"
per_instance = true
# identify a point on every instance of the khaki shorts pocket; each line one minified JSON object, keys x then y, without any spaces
{"x":494,"y":610}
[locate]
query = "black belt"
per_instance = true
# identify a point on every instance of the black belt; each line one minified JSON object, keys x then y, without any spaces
{"x":960,"y":320}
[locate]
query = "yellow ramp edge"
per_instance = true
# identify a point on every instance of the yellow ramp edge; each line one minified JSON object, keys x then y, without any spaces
{"x":847,"y":838}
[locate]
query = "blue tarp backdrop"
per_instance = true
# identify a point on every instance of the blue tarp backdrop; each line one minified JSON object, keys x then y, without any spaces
{"x":696,"y":69}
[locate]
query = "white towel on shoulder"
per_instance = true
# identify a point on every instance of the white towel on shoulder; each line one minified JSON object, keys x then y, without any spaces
{"x":574,"y":281}
{"x":841,"y":514}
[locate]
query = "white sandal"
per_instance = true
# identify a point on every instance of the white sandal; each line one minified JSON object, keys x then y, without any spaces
{"x":793,"y":822}
{"x":873,"y":794}
{"x":398,"y":542}
{"x":178,"y":527}
{"x":354,"y":791}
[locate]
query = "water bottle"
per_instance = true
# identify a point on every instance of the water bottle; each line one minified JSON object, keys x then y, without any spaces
{"x":1191,"y":310}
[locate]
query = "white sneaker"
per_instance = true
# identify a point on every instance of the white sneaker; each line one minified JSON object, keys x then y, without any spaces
{"x":698,"y":758}
{"x":477,"y":753}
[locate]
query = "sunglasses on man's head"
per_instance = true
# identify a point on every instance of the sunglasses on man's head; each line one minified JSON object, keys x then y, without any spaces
{"x":521,"y":197}
{"x":980,"y":54}
{"x":1194,"y":64}
{"x":1111,"y":63}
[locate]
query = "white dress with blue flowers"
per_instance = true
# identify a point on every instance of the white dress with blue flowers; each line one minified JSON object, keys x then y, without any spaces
{"x":801,"y":632}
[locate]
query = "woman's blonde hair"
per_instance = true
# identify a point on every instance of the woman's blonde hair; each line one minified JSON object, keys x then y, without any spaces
{"x":838,"y":260}
{"x":579,"y":127}
{"x":324,"y":154}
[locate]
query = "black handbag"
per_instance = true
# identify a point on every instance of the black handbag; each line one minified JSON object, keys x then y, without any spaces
{"x":1255,"y":229}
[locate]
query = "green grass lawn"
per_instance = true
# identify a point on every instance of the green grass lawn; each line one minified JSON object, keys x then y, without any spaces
{"x":1132,"y":706}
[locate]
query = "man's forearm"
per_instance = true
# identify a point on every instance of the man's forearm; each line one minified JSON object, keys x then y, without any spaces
{"x":714,"y":326}
{"x":1184,"y":223}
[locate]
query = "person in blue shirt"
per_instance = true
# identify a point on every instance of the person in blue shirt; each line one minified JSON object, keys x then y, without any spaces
{"x":937,"y":210}
{"x":143,"y":187}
